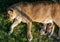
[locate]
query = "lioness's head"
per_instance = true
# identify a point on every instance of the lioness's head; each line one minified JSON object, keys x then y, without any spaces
{"x":11,"y":14}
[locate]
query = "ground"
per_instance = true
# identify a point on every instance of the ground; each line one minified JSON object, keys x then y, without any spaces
{"x":19,"y":34}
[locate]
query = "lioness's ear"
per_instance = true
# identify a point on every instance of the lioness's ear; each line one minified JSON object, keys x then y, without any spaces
{"x":10,"y":11}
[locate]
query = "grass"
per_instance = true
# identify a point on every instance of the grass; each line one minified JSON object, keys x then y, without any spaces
{"x":19,"y":34}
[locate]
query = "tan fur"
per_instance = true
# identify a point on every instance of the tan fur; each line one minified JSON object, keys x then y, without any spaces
{"x":33,"y":12}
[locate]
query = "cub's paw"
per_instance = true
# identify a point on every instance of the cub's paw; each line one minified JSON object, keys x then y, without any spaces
{"x":29,"y":36}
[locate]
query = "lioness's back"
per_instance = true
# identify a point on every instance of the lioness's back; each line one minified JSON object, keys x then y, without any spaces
{"x":38,"y":11}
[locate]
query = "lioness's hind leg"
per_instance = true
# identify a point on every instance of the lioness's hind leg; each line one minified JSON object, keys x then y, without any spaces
{"x":16,"y":22}
{"x":42,"y":29}
{"x":50,"y":29}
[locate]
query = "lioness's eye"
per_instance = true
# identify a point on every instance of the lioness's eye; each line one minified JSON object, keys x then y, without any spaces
{"x":11,"y":15}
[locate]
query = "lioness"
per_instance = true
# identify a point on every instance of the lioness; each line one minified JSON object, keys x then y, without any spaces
{"x":33,"y":12}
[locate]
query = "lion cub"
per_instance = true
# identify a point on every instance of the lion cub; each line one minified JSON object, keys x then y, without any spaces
{"x":28,"y":13}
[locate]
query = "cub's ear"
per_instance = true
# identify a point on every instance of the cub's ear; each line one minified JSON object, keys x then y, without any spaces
{"x":10,"y":11}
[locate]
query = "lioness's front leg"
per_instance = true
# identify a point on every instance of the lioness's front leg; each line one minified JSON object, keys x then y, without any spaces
{"x":29,"y":34}
{"x":16,"y":22}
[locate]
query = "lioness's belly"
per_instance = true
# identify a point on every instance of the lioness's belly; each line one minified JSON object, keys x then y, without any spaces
{"x":47,"y":20}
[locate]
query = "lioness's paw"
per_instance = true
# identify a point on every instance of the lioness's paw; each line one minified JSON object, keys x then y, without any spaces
{"x":10,"y":33}
{"x":29,"y":36}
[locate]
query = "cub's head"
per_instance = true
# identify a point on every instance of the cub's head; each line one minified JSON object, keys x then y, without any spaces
{"x":11,"y":14}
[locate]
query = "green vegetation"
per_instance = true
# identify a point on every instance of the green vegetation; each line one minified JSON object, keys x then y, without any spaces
{"x":19,"y":34}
